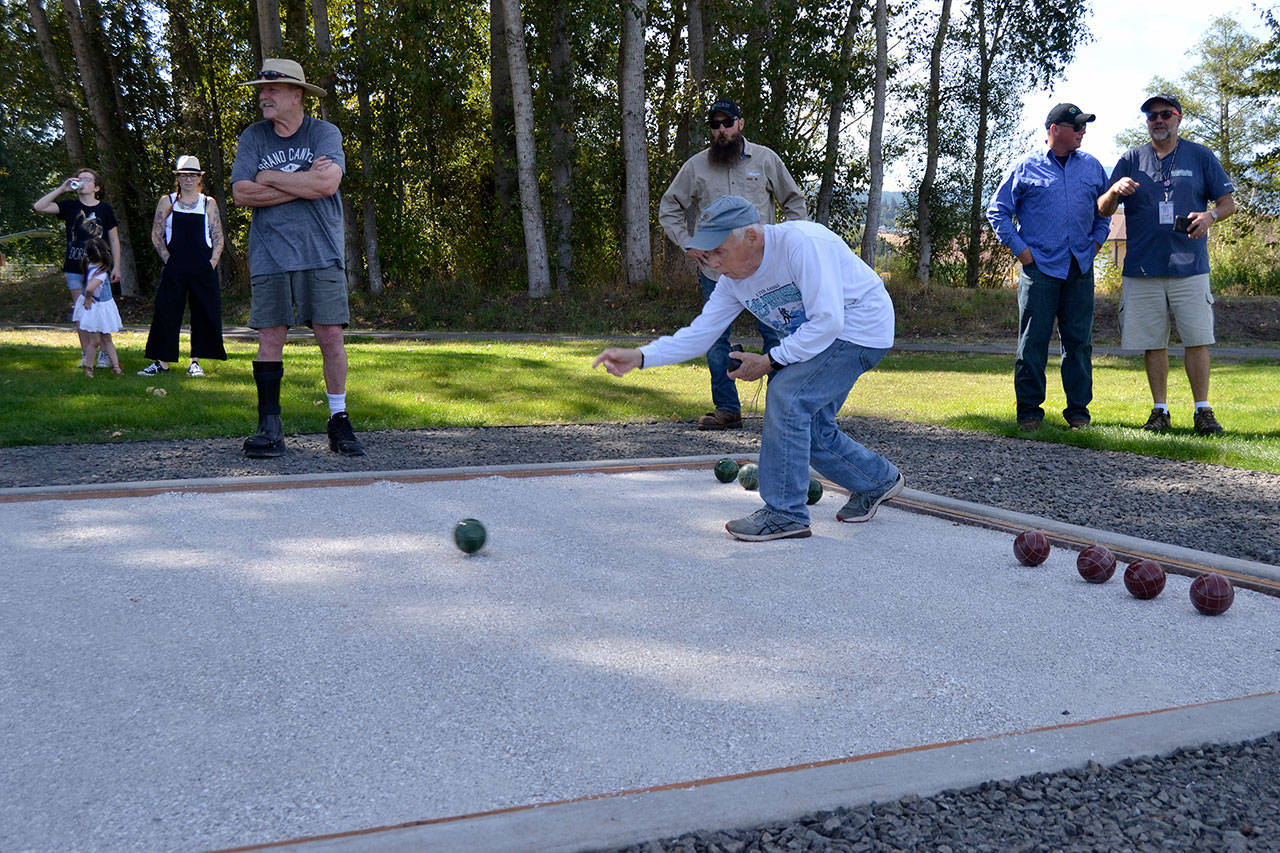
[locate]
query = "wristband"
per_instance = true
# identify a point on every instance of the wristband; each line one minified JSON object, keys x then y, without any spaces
{"x":1213,"y":211}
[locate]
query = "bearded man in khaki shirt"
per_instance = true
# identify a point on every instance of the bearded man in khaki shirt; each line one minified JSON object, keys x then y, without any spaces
{"x":731,"y":166}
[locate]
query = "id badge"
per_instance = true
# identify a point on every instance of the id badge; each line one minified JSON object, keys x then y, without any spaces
{"x":1166,"y":213}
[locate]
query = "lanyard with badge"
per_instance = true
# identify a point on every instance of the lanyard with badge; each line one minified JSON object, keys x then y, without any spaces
{"x":1166,"y":175}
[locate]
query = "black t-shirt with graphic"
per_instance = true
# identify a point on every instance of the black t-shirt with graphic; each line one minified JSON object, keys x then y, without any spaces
{"x":83,"y":224}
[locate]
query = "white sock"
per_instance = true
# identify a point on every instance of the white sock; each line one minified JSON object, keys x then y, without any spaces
{"x":1202,"y":404}
{"x":337,"y":403}
{"x":1164,"y":407}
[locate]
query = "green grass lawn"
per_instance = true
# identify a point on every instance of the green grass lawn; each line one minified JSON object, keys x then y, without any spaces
{"x":414,"y":385}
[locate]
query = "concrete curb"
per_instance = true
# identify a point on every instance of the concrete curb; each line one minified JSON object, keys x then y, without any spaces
{"x":784,"y":794}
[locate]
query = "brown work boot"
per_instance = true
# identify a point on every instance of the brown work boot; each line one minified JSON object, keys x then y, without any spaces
{"x":1206,"y":423}
{"x":1158,"y":422}
{"x":720,"y":419}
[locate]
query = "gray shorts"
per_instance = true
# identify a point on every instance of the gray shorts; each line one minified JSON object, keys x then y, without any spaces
{"x":1145,"y":306}
{"x":309,"y":297}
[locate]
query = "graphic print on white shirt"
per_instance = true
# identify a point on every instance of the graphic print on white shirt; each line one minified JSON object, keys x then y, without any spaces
{"x":781,"y":307}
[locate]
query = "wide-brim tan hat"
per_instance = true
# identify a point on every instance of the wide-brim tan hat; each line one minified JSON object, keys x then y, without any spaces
{"x":283,"y":71}
{"x":187,"y":165}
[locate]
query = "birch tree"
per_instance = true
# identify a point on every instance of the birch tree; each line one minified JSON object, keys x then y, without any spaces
{"x":635,"y":158}
{"x":535,"y":238}
{"x":57,"y":80}
{"x":933,"y":108}
{"x":875,"y":155}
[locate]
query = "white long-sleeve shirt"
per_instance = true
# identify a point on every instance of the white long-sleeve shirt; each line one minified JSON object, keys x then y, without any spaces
{"x":810,"y":286}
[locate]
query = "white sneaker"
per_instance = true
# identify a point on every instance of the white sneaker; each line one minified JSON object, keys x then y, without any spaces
{"x":102,"y":359}
{"x":195,"y":369}
{"x":153,"y":369}
{"x":84,"y":362}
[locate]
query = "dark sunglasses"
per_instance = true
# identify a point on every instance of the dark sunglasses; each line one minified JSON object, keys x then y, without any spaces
{"x":723,"y":122}
{"x":1164,"y":114}
{"x":274,"y":75}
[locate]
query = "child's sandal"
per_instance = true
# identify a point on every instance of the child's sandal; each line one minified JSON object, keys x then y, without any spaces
{"x":88,"y":371}
{"x":115,"y":368}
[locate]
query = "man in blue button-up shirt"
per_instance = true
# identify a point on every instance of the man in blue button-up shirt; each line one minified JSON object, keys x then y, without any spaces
{"x":1052,"y":195}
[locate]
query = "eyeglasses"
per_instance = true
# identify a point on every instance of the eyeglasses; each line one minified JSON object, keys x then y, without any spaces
{"x":189,"y":175}
{"x":1162,"y":114}
{"x":274,"y":75}
{"x":723,"y":122}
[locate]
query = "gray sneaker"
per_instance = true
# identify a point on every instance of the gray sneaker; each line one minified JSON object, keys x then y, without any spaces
{"x":102,"y":360}
{"x":765,"y":524}
{"x":863,"y":507}
{"x":1206,"y":423}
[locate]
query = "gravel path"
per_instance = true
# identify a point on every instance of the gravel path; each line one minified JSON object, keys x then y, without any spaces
{"x":1224,"y":797}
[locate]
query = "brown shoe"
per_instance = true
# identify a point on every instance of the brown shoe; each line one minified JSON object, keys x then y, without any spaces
{"x":1078,"y":422}
{"x":1206,"y":423}
{"x":1029,"y":424}
{"x":1158,"y":422}
{"x":720,"y":419}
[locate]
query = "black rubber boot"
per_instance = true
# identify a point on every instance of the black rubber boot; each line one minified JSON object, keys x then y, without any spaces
{"x":268,"y":441}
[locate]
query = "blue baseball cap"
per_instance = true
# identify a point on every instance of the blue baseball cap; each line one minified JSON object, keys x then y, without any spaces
{"x":719,"y":219}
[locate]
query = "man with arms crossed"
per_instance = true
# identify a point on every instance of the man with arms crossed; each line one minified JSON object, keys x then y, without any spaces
{"x":1165,"y":186}
{"x":836,"y":319}
{"x":288,"y":168}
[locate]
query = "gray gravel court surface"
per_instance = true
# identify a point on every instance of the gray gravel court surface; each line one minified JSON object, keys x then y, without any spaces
{"x":1223,"y":797}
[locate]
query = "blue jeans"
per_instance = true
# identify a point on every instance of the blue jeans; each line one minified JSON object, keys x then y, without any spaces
{"x":724,"y":391}
{"x":1041,"y":300}
{"x":800,"y":430}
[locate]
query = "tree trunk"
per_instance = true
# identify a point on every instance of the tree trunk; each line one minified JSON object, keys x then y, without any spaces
{"x":635,"y":203}
{"x":502,"y":142}
{"x":324,"y":55}
{"x":874,"y":154}
{"x":295,"y":29}
{"x":57,"y":82}
{"x":562,"y":142}
{"x":269,"y":28}
{"x":535,"y":238}
{"x":839,"y":91}
{"x":688,"y":146}
{"x":933,"y":107}
{"x":973,"y":251}
{"x":668,"y":106}
{"x":98,"y":97}
{"x":368,"y":212}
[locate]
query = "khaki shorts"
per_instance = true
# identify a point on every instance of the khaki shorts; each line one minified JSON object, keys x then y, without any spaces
{"x":1145,"y":306}
{"x":310,"y":297}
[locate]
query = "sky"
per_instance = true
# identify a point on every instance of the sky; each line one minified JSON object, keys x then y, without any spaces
{"x":1134,"y":40}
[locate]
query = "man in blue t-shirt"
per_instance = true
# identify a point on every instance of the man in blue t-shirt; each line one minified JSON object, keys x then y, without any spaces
{"x":288,"y":168}
{"x":1052,"y":197}
{"x":1165,"y":186}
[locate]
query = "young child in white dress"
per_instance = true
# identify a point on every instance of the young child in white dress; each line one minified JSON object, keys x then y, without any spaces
{"x":96,"y":312}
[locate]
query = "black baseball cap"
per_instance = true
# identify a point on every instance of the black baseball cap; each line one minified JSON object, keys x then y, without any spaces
{"x":1155,"y":99}
{"x":726,"y":106}
{"x":1068,"y":114}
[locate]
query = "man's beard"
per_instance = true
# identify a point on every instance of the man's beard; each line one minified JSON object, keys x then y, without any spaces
{"x":725,"y":153}
{"x":1161,"y":135}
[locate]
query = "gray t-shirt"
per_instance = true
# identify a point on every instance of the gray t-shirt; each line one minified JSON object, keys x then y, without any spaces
{"x":304,"y":234}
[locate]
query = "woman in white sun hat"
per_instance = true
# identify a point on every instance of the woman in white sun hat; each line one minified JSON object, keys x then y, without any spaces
{"x":187,"y":234}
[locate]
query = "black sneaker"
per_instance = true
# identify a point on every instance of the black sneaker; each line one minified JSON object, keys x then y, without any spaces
{"x":268,"y":441}
{"x":1206,"y":423}
{"x":1159,"y":421}
{"x":342,"y":438}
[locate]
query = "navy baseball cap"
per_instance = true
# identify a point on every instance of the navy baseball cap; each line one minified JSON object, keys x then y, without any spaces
{"x":1068,"y":114}
{"x":719,"y":219}
{"x":1155,"y":99}
{"x":726,"y":106}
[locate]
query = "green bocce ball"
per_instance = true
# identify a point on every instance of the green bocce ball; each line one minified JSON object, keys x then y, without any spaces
{"x":469,"y":535}
{"x":726,"y":470}
{"x":815,"y":491}
{"x":749,"y":476}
